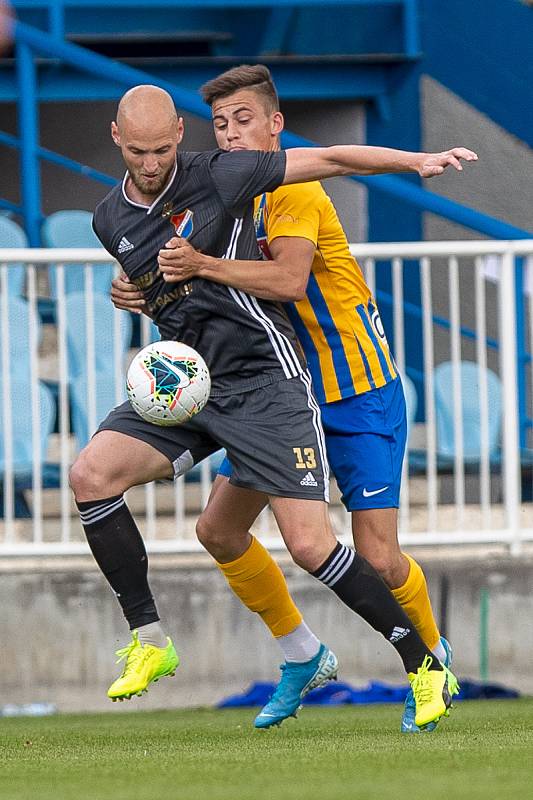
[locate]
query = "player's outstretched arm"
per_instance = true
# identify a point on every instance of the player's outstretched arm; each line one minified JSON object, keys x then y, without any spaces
{"x":315,"y":163}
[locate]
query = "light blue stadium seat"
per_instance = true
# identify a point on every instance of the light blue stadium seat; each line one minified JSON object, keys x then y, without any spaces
{"x":21,"y":424}
{"x":19,"y":337}
{"x":20,"y":381}
{"x":12,"y":235}
{"x":21,"y":427}
{"x":73,"y":228}
{"x":103,"y":315}
{"x":105,"y":401}
{"x":471,"y":417}
{"x":104,"y":364}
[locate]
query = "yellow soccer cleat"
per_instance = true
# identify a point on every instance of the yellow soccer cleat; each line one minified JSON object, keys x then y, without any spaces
{"x":144,"y":665}
{"x":433,"y":691}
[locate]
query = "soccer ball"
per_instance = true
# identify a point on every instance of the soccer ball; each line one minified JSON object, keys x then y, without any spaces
{"x":168,"y":383}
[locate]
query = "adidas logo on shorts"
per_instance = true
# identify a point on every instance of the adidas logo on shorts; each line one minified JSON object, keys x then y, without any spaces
{"x":124,"y":246}
{"x":398,"y":633}
{"x":308,"y":480}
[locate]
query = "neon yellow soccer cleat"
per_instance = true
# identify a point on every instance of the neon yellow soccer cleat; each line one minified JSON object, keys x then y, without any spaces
{"x":144,"y":665}
{"x":433,"y":691}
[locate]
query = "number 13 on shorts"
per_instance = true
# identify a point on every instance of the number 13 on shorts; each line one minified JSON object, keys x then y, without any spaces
{"x":305,"y":457}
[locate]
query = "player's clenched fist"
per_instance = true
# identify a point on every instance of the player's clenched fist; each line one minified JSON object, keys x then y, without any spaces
{"x":126,"y":296}
{"x":178,"y":261}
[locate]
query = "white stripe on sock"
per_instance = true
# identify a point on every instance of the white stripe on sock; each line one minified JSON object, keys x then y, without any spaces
{"x":101,"y":511}
{"x":340,"y":564}
{"x":332,"y":566}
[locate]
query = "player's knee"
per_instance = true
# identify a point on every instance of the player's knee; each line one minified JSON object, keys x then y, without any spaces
{"x":307,"y":553}
{"x":88,"y":479}
{"x":224,"y":545}
{"x":387,"y":564}
{"x":206,"y":531}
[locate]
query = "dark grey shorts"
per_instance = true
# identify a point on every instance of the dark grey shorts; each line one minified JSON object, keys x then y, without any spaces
{"x":273,"y":437}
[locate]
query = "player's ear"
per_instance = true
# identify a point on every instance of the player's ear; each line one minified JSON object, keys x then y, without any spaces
{"x":277,"y":123}
{"x":115,"y":134}
{"x":181,"y":129}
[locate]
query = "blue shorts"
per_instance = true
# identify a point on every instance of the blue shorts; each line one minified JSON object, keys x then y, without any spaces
{"x":365,"y":440}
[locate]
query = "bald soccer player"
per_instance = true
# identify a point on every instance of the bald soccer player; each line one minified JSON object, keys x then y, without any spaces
{"x":260,"y":387}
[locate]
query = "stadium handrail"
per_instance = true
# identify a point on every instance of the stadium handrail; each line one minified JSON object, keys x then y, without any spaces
{"x":220,"y":4}
{"x":189,"y":101}
{"x":59,"y":160}
{"x":376,"y":250}
{"x":513,"y":531}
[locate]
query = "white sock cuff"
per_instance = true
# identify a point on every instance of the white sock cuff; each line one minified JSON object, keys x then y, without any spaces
{"x":299,"y":645}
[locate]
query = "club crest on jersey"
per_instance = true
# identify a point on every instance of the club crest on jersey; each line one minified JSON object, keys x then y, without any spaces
{"x":183,"y":223}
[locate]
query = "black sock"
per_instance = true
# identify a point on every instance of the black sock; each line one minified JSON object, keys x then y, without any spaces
{"x":360,"y":587}
{"x":119,"y":551}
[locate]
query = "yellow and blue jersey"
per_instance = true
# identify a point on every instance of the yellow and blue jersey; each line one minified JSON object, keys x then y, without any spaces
{"x":337,"y":322}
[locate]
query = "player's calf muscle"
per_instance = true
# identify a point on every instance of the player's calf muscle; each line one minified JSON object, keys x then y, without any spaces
{"x":375,"y":533}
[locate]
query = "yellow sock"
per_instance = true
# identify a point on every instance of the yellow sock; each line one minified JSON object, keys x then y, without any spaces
{"x":259,"y":583}
{"x":413,"y":596}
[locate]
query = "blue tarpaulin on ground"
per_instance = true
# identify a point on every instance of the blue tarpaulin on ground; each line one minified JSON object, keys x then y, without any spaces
{"x":337,"y":693}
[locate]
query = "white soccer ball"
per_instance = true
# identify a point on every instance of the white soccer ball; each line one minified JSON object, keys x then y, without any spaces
{"x":168,"y":383}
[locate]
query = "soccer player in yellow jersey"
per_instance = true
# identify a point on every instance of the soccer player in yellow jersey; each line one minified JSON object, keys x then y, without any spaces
{"x":337,"y":321}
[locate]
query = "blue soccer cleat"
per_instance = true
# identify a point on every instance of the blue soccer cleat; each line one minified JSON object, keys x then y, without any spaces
{"x":297,"y":680}
{"x":409,"y":710}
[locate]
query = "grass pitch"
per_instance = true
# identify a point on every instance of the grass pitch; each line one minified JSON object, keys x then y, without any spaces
{"x":484,"y":751}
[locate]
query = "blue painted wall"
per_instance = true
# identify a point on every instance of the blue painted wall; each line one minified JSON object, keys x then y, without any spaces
{"x":482,"y":50}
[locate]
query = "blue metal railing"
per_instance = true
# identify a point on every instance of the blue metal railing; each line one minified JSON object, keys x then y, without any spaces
{"x":44,"y":154}
{"x":29,"y":40}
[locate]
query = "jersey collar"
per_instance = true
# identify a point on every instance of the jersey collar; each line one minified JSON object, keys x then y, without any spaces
{"x":149,"y":209}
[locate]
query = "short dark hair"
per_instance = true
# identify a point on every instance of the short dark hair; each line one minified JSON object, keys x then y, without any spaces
{"x":255,"y":77}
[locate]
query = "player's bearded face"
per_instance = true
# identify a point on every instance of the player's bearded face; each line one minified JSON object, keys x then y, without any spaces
{"x":150,"y":154}
{"x":150,"y":166}
{"x":150,"y":178}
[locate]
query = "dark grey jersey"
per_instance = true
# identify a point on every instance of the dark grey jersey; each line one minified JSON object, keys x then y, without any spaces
{"x":245,"y":341}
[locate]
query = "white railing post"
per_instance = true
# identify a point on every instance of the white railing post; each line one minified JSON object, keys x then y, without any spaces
{"x":150,"y":488}
{"x":481,"y":357}
{"x":429,"y":394}
{"x":37,"y":475}
{"x":399,"y":355}
{"x":508,"y":371}
{"x":369,"y":272}
{"x":455,"y":348}
{"x":64,"y":414}
{"x":118,"y":360}
{"x":7,"y":426}
{"x":91,"y":353}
